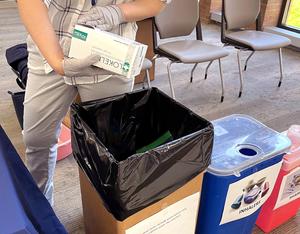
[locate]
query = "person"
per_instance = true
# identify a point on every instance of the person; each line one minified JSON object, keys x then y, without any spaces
{"x":54,"y":79}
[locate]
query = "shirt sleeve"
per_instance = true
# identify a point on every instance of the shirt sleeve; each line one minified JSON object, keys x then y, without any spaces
{"x":166,"y":1}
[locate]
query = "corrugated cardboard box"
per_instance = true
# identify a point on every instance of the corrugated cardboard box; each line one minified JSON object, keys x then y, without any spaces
{"x":175,"y":214}
{"x":118,"y":54}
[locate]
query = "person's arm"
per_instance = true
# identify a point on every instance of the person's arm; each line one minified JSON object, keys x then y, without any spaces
{"x":34,"y":15}
{"x":141,"y":9}
{"x":107,"y":17}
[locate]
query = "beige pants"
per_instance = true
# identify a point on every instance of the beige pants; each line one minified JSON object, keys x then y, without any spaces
{"x":47,"y":101}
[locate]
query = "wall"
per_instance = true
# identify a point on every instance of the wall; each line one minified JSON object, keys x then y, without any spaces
{"x":205,"y":8}
{"x":270,"y":10}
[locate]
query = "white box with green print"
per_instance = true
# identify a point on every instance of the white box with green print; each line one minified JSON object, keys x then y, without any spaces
{"x":118,"y":54}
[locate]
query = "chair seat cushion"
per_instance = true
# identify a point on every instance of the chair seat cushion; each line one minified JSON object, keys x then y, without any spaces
{"x":193,"y":51}
{"x":147,"y":64}
{"x":258,"y":40}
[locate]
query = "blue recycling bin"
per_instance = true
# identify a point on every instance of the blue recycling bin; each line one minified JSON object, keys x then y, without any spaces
{"x":246,"y":160}
{"x":23,"y":208}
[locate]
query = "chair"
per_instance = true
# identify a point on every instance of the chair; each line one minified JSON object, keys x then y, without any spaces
{"x":238,"y":14}
{"x":180,"y":18}
{"x":147,"y":64}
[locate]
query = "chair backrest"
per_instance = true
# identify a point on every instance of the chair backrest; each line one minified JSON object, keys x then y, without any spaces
{"x":179,"y":18}
{"x":240,"y":13}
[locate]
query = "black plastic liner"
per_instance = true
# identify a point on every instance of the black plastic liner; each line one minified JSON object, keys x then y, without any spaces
{"x":106,"y":134}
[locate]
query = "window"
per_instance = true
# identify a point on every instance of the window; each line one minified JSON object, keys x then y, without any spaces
{"x":290,"y":15}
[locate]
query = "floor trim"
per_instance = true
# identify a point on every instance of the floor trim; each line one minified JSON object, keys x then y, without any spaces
{"x":216,"y":16}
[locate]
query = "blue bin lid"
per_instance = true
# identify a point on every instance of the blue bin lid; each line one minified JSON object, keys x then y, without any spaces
{"x":240,"y":142}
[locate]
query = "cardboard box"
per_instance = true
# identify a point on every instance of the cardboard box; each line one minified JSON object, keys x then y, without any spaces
{"x":176,"y":213}
{"x":118,"y":54}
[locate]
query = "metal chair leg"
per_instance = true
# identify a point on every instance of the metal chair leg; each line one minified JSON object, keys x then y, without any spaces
{"x":148,"y":78}
{"x":222,"y":81}
{"x":132,"y":85}
{"x":241,"y":73}
{"x":170,"y":79}
{"x":246,"y":63}
{"x":206,"y":70}
{"x":192,"y":73}
{"x":154,"y":57}
{"x":281,"y":67}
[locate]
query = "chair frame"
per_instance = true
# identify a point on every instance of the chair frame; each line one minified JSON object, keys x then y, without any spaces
{"x":242,"y":47}
{"x":146,"y":79}
{"x":160,"y":53}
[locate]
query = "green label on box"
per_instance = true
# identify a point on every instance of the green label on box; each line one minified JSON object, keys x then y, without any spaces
{"x":80,"y":35}
{"x":126,"y":67}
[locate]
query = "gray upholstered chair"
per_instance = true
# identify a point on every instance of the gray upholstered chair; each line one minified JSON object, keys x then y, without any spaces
{"x":180,"y":18}
{"x":238,"y":14}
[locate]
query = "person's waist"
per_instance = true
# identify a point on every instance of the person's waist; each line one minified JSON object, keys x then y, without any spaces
{"x":93,"y":79}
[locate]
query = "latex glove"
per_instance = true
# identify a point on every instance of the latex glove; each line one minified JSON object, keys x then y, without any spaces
{"x":105,"y":18}
{"x":83,"y":67}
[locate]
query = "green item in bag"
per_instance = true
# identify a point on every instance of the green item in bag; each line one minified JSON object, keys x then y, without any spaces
{"x":166,"y":137}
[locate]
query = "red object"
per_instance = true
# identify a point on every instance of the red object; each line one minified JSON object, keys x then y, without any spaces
{"x":64,"y":143}
{"x":269,"y":217}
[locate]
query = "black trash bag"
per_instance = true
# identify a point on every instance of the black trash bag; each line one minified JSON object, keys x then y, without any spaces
{"x":106,"y":134}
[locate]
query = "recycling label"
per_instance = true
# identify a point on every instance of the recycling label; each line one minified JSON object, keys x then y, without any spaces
{"x":247,"y":195}
{"x":289,"y":189}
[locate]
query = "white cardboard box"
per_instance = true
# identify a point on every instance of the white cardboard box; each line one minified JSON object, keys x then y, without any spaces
{"x":179,"y":218}
{"x":118,"y":54}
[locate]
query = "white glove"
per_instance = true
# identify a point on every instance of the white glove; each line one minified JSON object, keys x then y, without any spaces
{"x":105,"y":18}
{"x":83,"y":67}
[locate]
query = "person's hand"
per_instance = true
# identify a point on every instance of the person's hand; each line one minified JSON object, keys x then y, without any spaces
{"x":73,"y":67}
{"x":105,"y":18}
